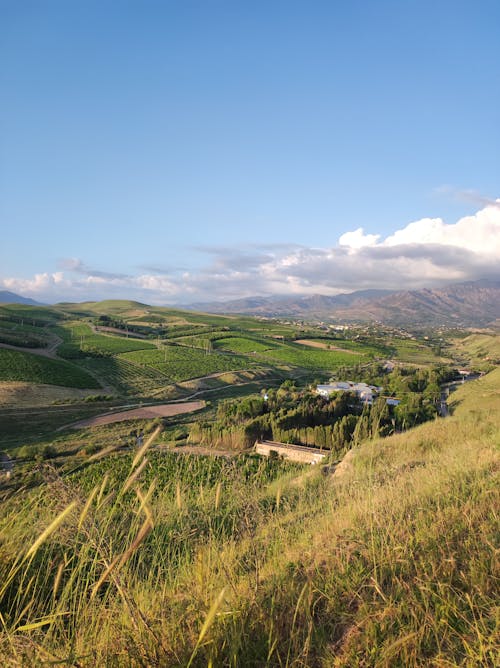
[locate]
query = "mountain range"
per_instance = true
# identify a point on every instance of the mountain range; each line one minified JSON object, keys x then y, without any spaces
{"x":474,"y":303}
{"x":7,"y":297}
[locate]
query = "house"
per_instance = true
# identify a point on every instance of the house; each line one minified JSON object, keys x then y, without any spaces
{"x":367,"y":393}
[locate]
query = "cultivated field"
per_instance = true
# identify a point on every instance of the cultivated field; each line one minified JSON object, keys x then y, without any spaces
{"x":21,"y":366}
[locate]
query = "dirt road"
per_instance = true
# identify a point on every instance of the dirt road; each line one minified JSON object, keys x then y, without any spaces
{"x":49,"y":351}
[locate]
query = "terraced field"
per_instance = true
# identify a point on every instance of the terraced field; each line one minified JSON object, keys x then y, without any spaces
{"x":26,"y":367}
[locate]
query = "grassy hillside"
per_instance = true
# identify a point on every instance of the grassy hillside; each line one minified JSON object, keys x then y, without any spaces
{"x":479,"y":349}
{"x":168,"y":561}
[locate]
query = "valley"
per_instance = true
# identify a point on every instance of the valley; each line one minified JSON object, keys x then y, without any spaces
{"x":128,"y":465}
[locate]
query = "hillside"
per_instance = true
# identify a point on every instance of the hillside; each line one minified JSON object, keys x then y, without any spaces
{"x":202,"y":561}
{"x":460,"y":305}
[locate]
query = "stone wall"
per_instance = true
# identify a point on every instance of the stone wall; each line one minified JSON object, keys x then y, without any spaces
{"x":295,"y":453}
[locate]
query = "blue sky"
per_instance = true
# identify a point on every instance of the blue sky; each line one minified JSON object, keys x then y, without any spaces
{"x":184,"y":151}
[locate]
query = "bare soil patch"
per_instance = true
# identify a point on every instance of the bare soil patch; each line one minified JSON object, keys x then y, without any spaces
{"x":144,"y":413}
{"x":326,"y":346}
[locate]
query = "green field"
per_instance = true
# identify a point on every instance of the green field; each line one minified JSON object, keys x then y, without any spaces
{"x":239,"y":344}
{"x":181,"y":363}
{"x":128,"y":378}
{"x":343,"y":344}
{"x":30,"y":315}
{"x":21,"y":366}
{"x":413,"y":352}
{"x":310,"y":358}
{"x":79,"y":338}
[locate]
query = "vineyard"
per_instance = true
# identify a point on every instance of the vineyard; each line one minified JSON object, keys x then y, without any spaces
{"x":244,"y":345}
{"x":26,"y":367}
{"x":313,"y":359}
{"x":169,"y":470}
{"x":181,"y":363}
{"x":127,"y":377}
{"x":79,"y":338}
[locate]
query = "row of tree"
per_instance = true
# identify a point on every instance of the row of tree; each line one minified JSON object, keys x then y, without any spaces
{"x":303,"y":417}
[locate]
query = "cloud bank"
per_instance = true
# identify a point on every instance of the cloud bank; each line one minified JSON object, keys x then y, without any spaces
{"x":423,"y":253}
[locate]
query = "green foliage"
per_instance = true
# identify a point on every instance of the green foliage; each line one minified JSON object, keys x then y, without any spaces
{"x":310,"y":358}
{"x":179,"y":363}
{"x":80,"y":341}
{"x":128,"y":378}
{"x":21,"y":366}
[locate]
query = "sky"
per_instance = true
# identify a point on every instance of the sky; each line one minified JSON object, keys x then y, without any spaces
{"x":186,"y":151}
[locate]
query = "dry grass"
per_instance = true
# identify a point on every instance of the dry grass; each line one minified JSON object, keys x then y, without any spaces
{"x":25,"y":395}
{"x":393,"y":563}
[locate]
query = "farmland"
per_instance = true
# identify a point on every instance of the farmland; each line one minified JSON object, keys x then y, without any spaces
{"x":238,"y":344}
{"x":126,"y":377}
{"x":100,"y":539}
{"x":183,"y":345}
{"x":313,"y":359}
{"x":181,"y":363}
{"x":79,"y":338}
{"x":23,"y":366}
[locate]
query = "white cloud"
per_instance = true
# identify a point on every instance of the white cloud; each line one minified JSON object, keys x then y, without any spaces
{"x":358,"y":239}
{"x":479,"y":233}
{"x":39,"y":284}
{"x":422,"y":253}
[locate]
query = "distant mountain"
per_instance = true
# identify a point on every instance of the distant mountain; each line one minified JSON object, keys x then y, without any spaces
{"x":7,"y":297}
{"x":463,"y":304}
{"x":284,"y":305}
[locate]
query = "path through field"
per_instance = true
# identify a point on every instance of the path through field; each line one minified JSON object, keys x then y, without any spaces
{"x":144,"y":413}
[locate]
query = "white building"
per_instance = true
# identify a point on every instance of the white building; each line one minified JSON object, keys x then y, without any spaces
{"x":367,"y":393}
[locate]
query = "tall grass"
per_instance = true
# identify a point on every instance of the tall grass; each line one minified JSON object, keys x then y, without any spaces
{"x":390,"y":562}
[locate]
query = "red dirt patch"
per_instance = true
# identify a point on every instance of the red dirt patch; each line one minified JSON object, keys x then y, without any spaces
{"x":145,"y":413}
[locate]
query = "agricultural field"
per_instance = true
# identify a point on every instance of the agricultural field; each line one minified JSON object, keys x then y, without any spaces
{"x":79,"y":338}
{"x":21,"y":366}
{"x":244,"y":345}
{"x":313,"y":359}
{"x":170,"y":470}
{"x":409,"y":351}
{"x":24,"y":337}
{"x":182,"y":363}
{"x":127,"y":377}
{"x":30,"y":315}
{"x":343,"y":345}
